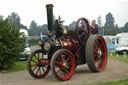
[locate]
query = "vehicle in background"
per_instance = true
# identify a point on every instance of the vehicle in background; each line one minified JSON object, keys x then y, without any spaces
{"x":27,"y":49}
{"x":110,"y":41}
{"x":121,"y":43}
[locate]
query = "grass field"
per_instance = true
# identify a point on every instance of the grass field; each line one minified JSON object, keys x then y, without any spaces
{"x":19,"y":65}
{"x":119,"y":57}
{"x":120,"y":82}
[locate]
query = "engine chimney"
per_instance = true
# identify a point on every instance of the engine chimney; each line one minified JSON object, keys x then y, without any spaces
{"x":50,"y":16}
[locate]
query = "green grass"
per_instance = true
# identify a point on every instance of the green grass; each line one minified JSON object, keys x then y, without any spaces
{"x":19,"y":65}
{"x":120,"y":82}
{"x":119,"y":57}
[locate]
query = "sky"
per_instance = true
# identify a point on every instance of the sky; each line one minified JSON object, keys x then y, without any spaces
{"x":69,"y":10}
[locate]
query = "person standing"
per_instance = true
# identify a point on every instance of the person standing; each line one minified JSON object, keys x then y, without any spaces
{"x":94,"y":27}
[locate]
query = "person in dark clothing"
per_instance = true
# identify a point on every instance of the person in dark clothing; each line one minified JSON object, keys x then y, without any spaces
{"x":94,"y":27}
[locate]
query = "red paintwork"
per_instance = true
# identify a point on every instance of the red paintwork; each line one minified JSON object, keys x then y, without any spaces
{"x":101,"y":60}
{"x":39,"y":68}
{"x":45,"y":62}
{"x":62,"y":72}
{"x":70,"y":44}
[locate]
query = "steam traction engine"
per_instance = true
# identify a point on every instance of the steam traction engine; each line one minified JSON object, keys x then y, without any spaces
{"x":63,"y":49}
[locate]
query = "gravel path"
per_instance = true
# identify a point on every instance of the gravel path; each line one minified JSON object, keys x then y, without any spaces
{"x":115,"y":70}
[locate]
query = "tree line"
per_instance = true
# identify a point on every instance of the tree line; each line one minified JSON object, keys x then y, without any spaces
{"x":109,"y":28}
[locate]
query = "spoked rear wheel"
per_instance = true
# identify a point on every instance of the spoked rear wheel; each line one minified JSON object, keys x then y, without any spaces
{"x":96,"y":53}
{"x":62,"y":64}
{"x":35,"y":67}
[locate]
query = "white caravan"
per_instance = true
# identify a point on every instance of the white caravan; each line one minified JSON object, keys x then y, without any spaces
{"x":27,"y":49}
{"x":121,"y":43}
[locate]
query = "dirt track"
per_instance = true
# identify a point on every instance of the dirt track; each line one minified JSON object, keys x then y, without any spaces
{"x":115,"y":70}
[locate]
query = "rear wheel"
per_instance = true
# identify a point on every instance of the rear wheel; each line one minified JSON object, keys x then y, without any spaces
{"x":62,"y":64}
{"x":96,"y":53}
{"x":35,"y":67}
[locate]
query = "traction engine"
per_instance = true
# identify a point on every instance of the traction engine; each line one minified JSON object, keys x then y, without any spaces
{"x":62,"y":49}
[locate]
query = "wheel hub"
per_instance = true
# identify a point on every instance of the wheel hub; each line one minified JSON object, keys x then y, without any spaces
{"x":99,"y":52}
{"x":65,"y":65}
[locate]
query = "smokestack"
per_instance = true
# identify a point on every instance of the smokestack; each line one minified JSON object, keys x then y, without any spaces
{"x":50,"y":16}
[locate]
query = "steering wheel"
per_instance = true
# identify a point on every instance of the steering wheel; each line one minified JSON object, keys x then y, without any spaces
{"x":82,"y":29}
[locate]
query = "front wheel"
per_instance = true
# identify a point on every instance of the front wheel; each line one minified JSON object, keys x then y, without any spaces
{"x":62,"y":64}
{"x":35,"y":66}
{"x":96,"y":53}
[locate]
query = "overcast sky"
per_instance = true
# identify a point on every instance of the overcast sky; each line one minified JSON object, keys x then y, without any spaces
{"x":69,"y":10}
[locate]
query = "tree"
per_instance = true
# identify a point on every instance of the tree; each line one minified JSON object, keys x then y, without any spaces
{"x":99,"y":21}
{"x":43,"y":28}
{"x":116,"y":26}
{"x":109,"y":24}
{"x":14,"y":19}
{"x":11,"y":44}
{"x":33,"y":29}
{"x":72,"y":25}
{"x":1,"y":17}
{"x":125,"y":28}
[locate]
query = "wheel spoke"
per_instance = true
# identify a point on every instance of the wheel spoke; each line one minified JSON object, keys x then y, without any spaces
{"x":34,"y":68}
{"x":45,"y":66}
{"x":69,"y":63}
{"x":57,"y":62}
{"x":95,"y":55}
{"x":97,"y":43}
{"x":63,"y":58}
{"x":34,"y":61}
{"x":66,"y":71}
{"x":33,"y":65}
{"x":101,"y":62}
{"x":82,"y":34}
{"x":95,"y":46}
{"x":37,"y":71}
{"x":43,"y":69}
{"x":100,"y":46}
{"x":67,"y":59}
{"x":95,"y":50}
{"x":38,"y":56}
{"x":58,"y":71}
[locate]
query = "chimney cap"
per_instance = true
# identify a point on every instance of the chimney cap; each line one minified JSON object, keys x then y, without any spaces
{"x":49,"y":6}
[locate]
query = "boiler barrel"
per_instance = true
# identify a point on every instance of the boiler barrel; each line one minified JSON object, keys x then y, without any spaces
{"x":70,"y":44}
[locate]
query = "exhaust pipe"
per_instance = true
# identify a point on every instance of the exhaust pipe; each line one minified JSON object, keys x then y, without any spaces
{"x":50,"y":16}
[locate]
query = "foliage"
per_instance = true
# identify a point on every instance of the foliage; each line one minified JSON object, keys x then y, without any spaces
{"x":34,"y":29}
{"x":19,"y":65}
{"x":125,"y":29}
{"x":14,"y":19}
{"x":99,"y":21}
{"x":1,"y":17}
{"x":11,"y":44}
{"x":109,"y":24}
{"x":72,"y":25}
{"x":111,"y":31}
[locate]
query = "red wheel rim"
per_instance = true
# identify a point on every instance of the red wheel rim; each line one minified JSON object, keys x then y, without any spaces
{"x":64,"y":65}
{"x":38,"y":69}
{"x":100,"y":53}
